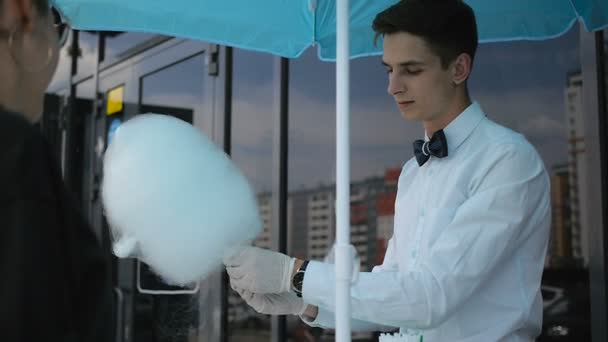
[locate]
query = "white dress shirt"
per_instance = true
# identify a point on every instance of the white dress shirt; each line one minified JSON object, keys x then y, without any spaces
{"x":468,"y":248}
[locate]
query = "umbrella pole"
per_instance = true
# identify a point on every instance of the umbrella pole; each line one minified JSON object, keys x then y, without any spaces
{"x":343,"y":254}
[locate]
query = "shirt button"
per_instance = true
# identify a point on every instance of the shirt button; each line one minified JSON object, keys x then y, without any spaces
{"x":413,"y":254}
{"x":421,"y":212}
{"x":430,"y":172}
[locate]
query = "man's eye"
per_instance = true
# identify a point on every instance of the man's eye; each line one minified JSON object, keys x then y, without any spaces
{"x":413,"y":72}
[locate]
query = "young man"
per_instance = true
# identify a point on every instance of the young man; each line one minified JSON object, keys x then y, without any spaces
{"x":472,"y":215}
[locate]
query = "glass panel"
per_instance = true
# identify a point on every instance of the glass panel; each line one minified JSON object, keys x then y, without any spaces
{"x":87,"y":53}
{"x":120,"y":45}
{"x":252,"y":108}
{"x":85,"y":93}
{"x":78,"y":123}
{"x":177,"y":91}
{"x":50,"y":122}
{"x":531,"y":87}
{"x":61,"y":78}
{"x":378,"y":148}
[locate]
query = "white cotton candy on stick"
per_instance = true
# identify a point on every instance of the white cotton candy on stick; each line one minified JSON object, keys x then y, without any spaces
{"x":175,"y":200}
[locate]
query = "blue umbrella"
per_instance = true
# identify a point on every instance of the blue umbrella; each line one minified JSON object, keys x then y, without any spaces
{"x":288,"y":27}
{"x":341,"y":30}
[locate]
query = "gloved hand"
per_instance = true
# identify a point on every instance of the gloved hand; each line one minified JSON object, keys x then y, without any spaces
{"x":259,"y":270}
{"x":286,"y":303}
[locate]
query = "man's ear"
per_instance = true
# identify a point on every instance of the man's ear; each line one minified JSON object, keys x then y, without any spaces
{"x":461,"y":68}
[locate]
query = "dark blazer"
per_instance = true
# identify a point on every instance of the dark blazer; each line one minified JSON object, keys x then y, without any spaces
{"x":54,"y":283}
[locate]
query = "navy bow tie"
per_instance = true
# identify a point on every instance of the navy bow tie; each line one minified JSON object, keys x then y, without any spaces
{"x":436,"y":147}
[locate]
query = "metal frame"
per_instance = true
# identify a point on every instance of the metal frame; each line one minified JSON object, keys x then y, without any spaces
{"x":279,"y":174}
{"x":593,"y":62}
{"x":599,"y":330}
{"x":226,"y":78}
{"x":279,"y":168}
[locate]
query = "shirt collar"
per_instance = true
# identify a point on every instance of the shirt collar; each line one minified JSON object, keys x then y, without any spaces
{"x":461,"y":127}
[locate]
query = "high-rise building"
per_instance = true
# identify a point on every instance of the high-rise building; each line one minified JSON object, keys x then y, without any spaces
{"x":560,"y":247}
{"x":321,"y":222}
{"x":312,"y":225}
{"x":364,"y":218}
{"x":385,"y":205}
{"x":312,"y":222}
{"x":297,"y":224}
{"x":577,"y":166}
{"x":264,"y":240}
{"x":360,"y":222}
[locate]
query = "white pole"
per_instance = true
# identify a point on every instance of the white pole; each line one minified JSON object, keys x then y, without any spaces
{"x":343,"y":256}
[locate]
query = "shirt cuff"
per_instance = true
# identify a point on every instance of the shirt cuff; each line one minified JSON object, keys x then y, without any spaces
{"x":324,"y":319}
{"x":317,"y":278}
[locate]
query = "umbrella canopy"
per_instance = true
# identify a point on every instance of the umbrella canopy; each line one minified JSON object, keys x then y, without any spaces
{"x":288,"y":27}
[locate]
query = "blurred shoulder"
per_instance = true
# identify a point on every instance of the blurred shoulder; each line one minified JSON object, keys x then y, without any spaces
{"x":12,"y":123}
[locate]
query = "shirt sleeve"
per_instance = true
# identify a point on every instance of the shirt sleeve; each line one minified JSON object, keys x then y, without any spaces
{"x":509,"y":203}
{"x":326,"y":319}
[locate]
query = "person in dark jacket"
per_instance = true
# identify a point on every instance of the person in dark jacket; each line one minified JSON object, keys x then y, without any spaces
{"x":54,"y":283}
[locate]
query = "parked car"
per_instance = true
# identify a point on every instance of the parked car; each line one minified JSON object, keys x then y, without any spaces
{"x":566,"y":307}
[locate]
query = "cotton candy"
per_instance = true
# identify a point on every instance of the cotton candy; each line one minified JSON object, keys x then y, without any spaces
{"x":173,"y":199}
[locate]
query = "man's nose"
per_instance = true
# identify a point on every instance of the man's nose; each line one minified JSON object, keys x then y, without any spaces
{"x":394,"y":86}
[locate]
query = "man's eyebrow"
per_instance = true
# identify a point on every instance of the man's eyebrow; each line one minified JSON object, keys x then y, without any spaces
{"x":405,"y":64}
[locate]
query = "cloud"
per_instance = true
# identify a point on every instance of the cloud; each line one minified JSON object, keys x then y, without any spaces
{"x":543,"y":126}
{"x":516,"y":108}
{"x":524,"y":54}
{"x":537,"y":113}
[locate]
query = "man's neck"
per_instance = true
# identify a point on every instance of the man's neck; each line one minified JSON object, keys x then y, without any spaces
{"x":457,"y":106}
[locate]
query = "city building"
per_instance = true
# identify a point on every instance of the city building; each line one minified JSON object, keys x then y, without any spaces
{"x":577,"y":167}
{"x":560,"y":245}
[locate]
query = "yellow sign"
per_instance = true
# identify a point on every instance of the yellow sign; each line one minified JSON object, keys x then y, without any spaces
{"x":115,"y":100}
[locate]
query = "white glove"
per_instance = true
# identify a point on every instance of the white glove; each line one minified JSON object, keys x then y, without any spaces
{"x":259,"y":270}
{"x":286,"y":303}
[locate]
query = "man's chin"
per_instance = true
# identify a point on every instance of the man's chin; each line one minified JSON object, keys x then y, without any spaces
{"x":410,"y":115}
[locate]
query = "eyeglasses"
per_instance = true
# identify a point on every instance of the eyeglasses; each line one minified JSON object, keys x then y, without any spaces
{"x":63,"y":28}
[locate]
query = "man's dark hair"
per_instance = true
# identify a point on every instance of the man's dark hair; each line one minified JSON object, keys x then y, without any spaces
{"x":447,"y":26}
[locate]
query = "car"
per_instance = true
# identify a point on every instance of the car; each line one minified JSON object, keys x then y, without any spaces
{"x":566,"y":307}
